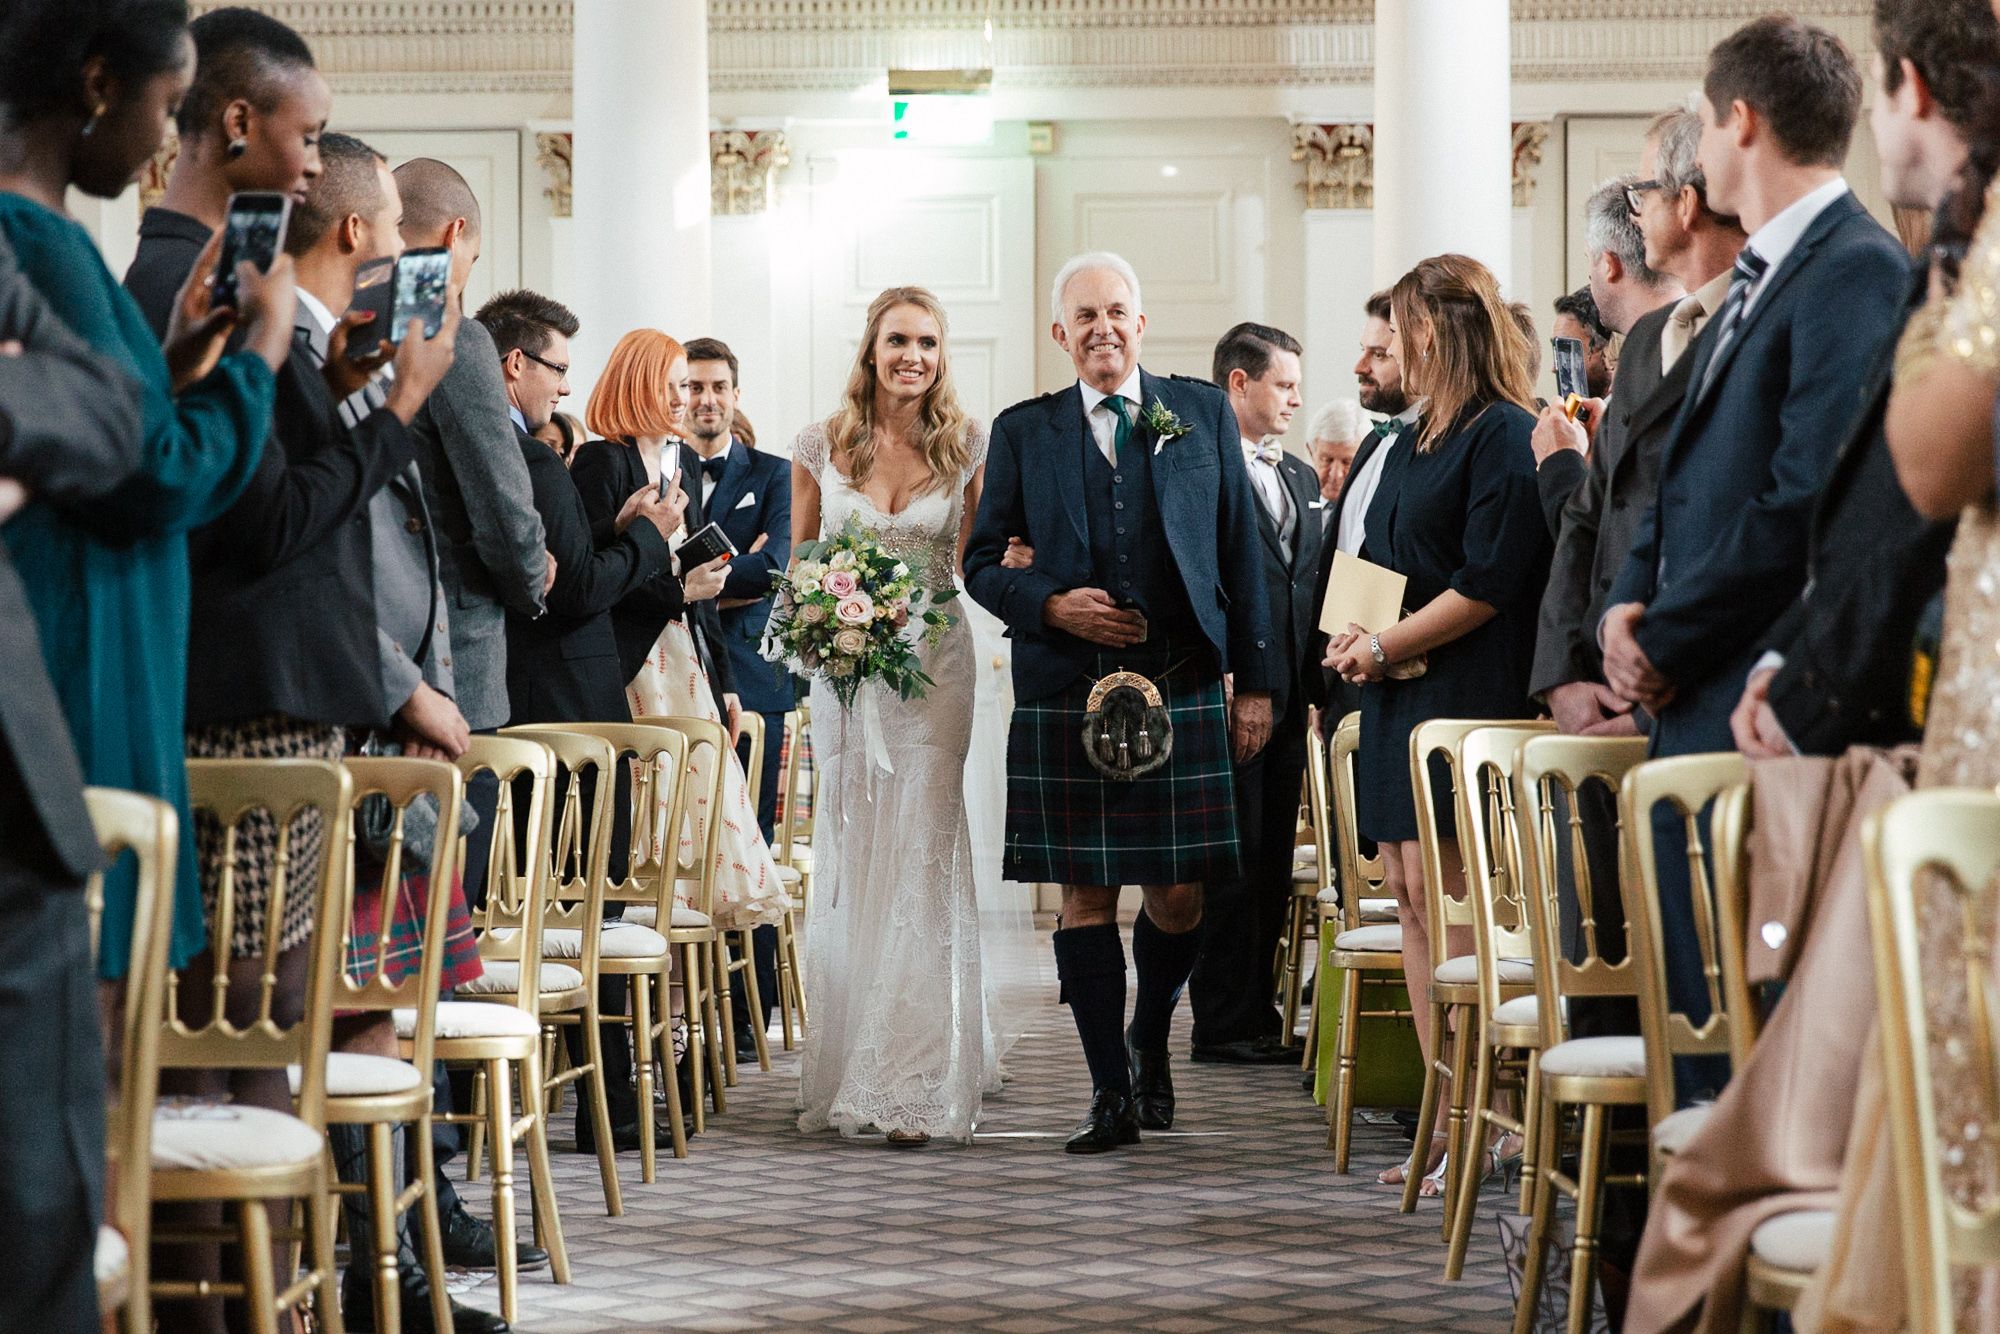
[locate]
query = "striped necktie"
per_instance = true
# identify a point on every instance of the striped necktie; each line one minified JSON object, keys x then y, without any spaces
{"x":1749,"y":268}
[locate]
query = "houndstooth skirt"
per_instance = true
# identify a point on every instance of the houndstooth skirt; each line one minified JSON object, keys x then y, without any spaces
{"x":272,"y":737}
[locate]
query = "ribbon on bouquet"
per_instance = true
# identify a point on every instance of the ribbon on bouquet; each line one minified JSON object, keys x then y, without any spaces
{"x":871,"y":728}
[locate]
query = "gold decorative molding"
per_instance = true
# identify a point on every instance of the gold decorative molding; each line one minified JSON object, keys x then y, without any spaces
{"x":1530,"y":137}
{"x":1340,"y":164}
{"x":552,"y":154}
{"x":153,"y":181}
{"x":740,"y":163}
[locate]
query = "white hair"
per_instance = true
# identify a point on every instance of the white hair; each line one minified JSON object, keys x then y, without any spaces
{"x":1340,"y":421}
{"x":1095,"y":259}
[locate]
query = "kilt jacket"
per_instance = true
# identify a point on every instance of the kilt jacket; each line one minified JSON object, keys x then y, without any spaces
{"x":1035,"y":490}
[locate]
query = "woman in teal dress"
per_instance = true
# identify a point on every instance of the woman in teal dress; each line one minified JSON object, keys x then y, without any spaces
{"x":85,"y":98}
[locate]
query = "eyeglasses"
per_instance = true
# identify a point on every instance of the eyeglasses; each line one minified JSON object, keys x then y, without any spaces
{"x":1638,"y":188}
{"x":561,"y":370}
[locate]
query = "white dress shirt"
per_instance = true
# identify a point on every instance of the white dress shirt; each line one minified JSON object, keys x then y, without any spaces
{"x":1271,"y":492}
{"x":1361,"y":485}
{"x":1103,"y":426}
{"x":356,"y":406}
{"x":1776,"y":239}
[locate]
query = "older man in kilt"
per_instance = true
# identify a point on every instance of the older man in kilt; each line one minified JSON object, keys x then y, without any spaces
{"x":1118,"y":533}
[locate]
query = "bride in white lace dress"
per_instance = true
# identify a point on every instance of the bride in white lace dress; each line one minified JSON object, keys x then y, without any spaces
{"x":901,"y":1039}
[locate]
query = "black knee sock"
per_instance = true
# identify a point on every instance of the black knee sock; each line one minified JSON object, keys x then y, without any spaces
{"x":1164,"y":961}
{"x":1090,"y":963}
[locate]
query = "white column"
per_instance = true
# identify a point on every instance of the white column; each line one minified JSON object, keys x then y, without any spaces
{"x":1443,"y":137}
{"x":640,"y":187}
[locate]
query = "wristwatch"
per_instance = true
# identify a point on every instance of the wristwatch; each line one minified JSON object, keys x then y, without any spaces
{"x":1375,"y":651}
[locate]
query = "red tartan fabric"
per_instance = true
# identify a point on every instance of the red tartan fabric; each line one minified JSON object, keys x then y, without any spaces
{"x":406,"y":932}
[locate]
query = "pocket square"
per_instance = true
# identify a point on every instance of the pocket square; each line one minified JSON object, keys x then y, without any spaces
{"x":1316,"y":505}
{"x":749,"y":499}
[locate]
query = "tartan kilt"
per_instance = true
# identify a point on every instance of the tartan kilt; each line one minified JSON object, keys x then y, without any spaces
{"x":1069,"y":824}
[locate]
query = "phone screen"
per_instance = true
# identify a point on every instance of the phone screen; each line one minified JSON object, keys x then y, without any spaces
{"x":372,"y":291}
{"x":1571,"y":377}
{"x":423,"y":277}
{"x":253,"y":232}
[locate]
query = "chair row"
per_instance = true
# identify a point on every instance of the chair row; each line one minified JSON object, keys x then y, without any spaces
{"x":543,"y":945}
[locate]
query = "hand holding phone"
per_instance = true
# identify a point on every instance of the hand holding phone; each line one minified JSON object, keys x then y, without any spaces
{"x":253,"y":233}
{"x":1572,"y":376}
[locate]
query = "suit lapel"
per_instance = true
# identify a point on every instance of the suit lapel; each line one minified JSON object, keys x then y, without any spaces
{"x":1302,"y":485}
{"x":1153,"y":390}
{"x":1066,"y":423}
{"x":735,"y":480}
{"x":1666,"y":398}
{"x":1361,"y":457}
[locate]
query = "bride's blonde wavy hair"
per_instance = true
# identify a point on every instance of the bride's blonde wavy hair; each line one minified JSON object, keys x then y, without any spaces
{"x":943,"y":428}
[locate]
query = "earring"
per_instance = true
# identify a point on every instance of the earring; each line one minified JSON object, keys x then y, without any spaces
{"x":237,"y":148}
{"x":90,"y":126}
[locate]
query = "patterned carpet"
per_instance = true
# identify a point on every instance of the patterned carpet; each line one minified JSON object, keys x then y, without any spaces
{"x":1233,"y":1220}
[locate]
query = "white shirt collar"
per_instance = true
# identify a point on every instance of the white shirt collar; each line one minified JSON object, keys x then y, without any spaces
{"x":1780,"y":236}
{"x":1129,"y":391}
{"x":515,"y":413}
{"x":316,"y":308}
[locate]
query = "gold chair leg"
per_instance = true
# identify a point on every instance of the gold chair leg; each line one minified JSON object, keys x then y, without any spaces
{"x":1589,"y":1195}
{"x":1531,"y":1128}
{"x":318,"y":1216}
{"x":600,"y":1107}
{"x":382,"y":1192}
{"x":1457,"y":1129}
{"x":475,"y":1141}
{"x":642,"y":1058}
{"x":499,"y":1116}
{"x":724,"y":994}
{"x":542,"y":1184}
{"x":1542,"y":1221}
{"x":1340,"y":1115}
{"x":697,"y":1044}
{"x":1426,"y":1112}
{"x":756,"y":998}
{"x":659,"y":1040}
{"x":427,"y":1204}
{"x":785,"y":978}
{"x":1465,"y":1205}
{"x":1294,"y":978}
{"x":719,"y":1041}
{"x":1310,"y":1055}
{"x":260,"y":1286}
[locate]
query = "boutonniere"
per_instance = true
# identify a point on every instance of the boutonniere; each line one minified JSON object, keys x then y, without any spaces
{"x":1164,"y":425}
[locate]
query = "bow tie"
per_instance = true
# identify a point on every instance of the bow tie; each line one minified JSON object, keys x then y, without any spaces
{"x":712,"y":468}
{"x":1270,"y":453}
{"x":1383,"y":429}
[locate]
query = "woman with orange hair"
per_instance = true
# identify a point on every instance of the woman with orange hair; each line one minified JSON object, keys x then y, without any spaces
{"x":664,"y":634}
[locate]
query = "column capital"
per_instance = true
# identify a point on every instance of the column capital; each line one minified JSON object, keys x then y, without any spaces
{"x":552,"y":154}
{"x":153,"y":180}
{"x":740,"y":165}
{"x":1340,"y":164}
{"x":1530,"y":137}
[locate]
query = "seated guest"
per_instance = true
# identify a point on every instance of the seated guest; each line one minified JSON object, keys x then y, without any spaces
{"x":69,"y":433}
{"x":1332,"y":440}
{"x":1456,"y":514}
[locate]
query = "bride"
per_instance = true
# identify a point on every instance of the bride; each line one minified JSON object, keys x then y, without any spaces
{"x":902,"y":1033}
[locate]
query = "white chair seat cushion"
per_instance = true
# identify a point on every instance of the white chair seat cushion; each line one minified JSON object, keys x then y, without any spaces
{"x":789,"y":875}
{"x":1618,"y":1057}
{"x":353,"y":1074}
{"x":645,"y":914}
{"x":1381,"y":939}
{"x":1378,"y":910}
{"x":472,"y":1019}
{"x":1465,"y":968}
{"x":219,"y":1136}
{"x":503,"y":978}
{"x":620,"y":940}
{"x":111,"y":1265}
{"x":1521,"y":1012}
{"x":1677,"y":1128}
{"x":1305,"y":854}
{"x":1330,"y":896}
{"x":1305,"y":875}
{"x":1799,"y":1241}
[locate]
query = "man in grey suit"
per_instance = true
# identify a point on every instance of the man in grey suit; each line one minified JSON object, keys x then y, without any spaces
{"x":491,"y":549}
{"x":69,"y":432}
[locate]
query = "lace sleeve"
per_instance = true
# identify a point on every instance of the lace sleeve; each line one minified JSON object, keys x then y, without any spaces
{"x":1971,"y":322}
{"x":975,"y":455}
{"x":810,"y":449}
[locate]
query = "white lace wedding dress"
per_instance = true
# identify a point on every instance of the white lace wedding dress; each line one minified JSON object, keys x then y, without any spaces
{"x":902,"y":1036}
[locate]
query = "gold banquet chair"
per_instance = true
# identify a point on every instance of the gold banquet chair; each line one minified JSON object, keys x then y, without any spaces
{"x":791,"y":845}
{"x":745,"y":964}
{"x":248,"y":1157}
{"x":706,"y":991}
{"x":659,"y":756}
{"x":381,"y":1093}
{"x":148,"y":828}
{"x":1454,"y":978}
{"x":1509,"y":1035}
{"x":495,"y":1035}
{"x":1933,"y":858}
{"x":1366,"y":953}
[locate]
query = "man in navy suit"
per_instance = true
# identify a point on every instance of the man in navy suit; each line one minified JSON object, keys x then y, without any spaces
{"x":1131,"y":492}
{"x":1816,"y":294}
{"x":750,"y":496}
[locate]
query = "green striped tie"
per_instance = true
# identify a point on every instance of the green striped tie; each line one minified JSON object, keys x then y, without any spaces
{"x":1123,"y":431}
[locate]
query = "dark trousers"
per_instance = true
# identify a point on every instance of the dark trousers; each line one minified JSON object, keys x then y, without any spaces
{"x":1230,"y":989}
{"x":1697,"y":726}
{"x":764,"y":940}
{"x":52,"y":1103}
{"x":767,"y":793}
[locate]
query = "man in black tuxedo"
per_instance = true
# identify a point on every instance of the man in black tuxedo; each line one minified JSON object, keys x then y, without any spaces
{"x":1131,"y":490}
{"x":69,"y":433}
{"x":564,"y":666}
{"x":1836,"y":667}
{"x":1815,"y":295}
{"x":1230,"y":989}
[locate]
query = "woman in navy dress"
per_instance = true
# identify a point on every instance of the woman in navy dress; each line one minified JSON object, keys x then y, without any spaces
{"x":1456,"y":514}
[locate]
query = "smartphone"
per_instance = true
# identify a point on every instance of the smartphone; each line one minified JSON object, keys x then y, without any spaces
{"x":1571,"y":378}
{"x":423,"y":278}
{"x":253,"y":232}
{"x":372,"y":293}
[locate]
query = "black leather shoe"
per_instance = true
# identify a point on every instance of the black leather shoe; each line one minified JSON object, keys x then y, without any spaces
{"x":746,"y":1043}
{"x":1109,"y":1124}
{"x":469,"y":1244}
{"x":625,"y":1134}
{"x":357,"y":1306}
{"x":1152,"y":1087}
{"x":1248,"y":1051}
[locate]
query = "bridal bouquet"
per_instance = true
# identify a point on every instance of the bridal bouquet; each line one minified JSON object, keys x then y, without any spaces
{"x":851,"y":611}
